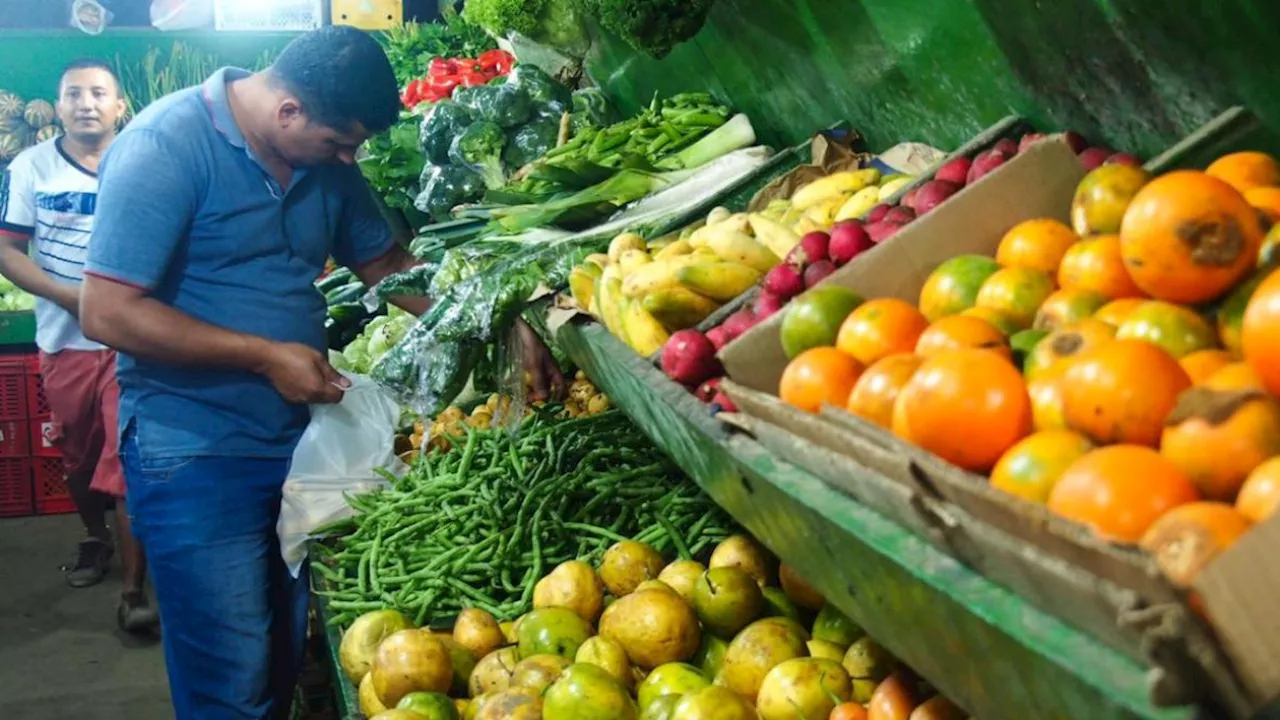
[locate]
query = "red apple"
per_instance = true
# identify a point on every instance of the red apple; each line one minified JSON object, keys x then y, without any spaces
{"x":723,"y":402}
{"x":818,"y":272}
{"x":708,"y":390}
{"x":984,"y":164}
{"x":878,"y":212}
{"x":1093,"y":157}
{"x":934,"y":193}
{"x":954,"y":171}
{"x":1006,"y":146}
{"x":1076,"y":141}
{"x":1123,"y":158}
{"x":848,"y":240}
{"x":689,"y":357}
{"x":900,"y":215}
{"x":719,"y":337}
{"x":768,"y":304}
{"x":739,"y":322}
{"x":811,"y":249}
{"x":784,"y":281}
{"x":1028,"y":140}
{"x":883,"y":230}
{"x":908,"y":198}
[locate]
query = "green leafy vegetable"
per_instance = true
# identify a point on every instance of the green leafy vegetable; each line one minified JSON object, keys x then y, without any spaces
{"x":393,"y":163}
{"x":480,"y":147}
{"x":445,"y":187}
{"x":531,"y":142}
{"x":411,"y":46}
{"x":444,"y":122}
{"x":651,"y":26}
{"x":554,"y":23}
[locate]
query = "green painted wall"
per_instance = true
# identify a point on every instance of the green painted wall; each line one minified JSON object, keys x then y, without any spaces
{"x":31,"y":60}
{"x":1137,"y":74}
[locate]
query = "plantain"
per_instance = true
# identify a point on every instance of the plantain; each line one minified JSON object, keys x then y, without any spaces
{"x":678,"y":307}
{"x":734,"y":246}
{"x":654,"y":276}
{"x":624,"y":242}
{"x":840,"y":183}
{"x":641,"y":330}
{"x":823,"y":215}
{"x":721,"y":281}
{"x":776,"y":236}
{"x":582,"y":283}
{"x":631,"y":260}
{"x":598,"y":259}
{"x":675,"y":249}
{"x":608,"y":297}
{"x":858,"y":205}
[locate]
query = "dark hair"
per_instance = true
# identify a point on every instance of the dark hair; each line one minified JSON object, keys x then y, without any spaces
{"x":89,"y":63}
{"x":341,"y":76}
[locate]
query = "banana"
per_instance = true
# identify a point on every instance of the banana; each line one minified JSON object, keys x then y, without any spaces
{"x":582,"y":284}
{"x":776,"y":236}
{"x":612,"y":272}
{"x":737,"y":222}
{"x":705,"y":254}
{"x":718,"y":215}
{"x":776,"y":209}
{"x":823,"y":215}
{"x":858,"y":205}
{"x":623,"y":243}
{"x":721,"y":281}
{"x":643,"y":332}
{"x":840,"y":183}
{"x":807,"y":225}
{"x":632,"y":260}
{"x":675,"y":249}
{"x":678,"y":307}
{"x":608,"y":296}
{"x":654,"y":276}
{"x":888,"y":189}
{"x":738,"y":247}
{"x":600,"y":260}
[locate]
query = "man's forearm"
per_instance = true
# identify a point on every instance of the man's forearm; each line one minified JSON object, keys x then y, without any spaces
{"x":397,"y":260}
{"x":23,"y":272}
{"x":149,"y":329}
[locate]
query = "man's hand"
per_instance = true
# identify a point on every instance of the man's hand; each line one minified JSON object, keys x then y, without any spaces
{"x":302,"y":375}
{"x":544,"y":373}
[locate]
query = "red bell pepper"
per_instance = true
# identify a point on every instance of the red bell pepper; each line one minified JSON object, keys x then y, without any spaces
{"x":472,"y":79}
{"x":442,"y":66}
{"x":443,"y":85}
{"x":497,"y":61}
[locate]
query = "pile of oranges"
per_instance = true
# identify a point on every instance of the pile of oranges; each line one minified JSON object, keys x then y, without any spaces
{"x":1122,"y":369}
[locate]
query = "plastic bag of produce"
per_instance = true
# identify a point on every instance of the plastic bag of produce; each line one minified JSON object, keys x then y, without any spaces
{"x":341,"y":452}
{"x":173,"y":15}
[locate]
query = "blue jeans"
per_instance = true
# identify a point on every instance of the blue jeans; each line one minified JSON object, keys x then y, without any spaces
{"x":233,"y":620}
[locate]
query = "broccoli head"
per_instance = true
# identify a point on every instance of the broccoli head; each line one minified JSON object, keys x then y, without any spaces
{"x":445,"y":187}
{"x":480,"y":147}
{"x":540,"y":86}
{"x":651,"y":26}
{"x":444,"y":122}
{"x":507,"y":106}
{"x":531,"y":141}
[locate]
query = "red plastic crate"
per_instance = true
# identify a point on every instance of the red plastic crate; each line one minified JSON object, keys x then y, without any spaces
{"x":51,"y":493}
{"x":37,"y":403}
{"x":13,"y":387}
{"x":14,"y":438}
{"x":40,"y":431}
{"x":15,"y":487}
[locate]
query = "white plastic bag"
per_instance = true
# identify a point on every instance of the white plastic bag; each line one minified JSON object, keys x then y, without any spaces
{"x":340,"y":452}
{"x":172,"y":15}
{"x":90,"y":17}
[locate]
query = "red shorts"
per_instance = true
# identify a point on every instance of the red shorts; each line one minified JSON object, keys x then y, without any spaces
{"x":82,"y":392}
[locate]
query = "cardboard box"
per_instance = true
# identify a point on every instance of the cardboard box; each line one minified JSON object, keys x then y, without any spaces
{"x":1113,"y":592}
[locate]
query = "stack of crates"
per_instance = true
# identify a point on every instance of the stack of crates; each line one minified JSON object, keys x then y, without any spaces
{"x":32,"y":479}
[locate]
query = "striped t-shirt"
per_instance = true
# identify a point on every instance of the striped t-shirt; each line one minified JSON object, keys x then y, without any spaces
{"x":47,"y":195}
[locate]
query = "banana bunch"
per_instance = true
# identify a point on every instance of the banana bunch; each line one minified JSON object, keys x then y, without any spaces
{"x":844,"y":195}
{"x":642,"y":292}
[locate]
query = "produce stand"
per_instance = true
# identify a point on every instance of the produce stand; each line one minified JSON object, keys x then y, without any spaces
{"x":344,"y":693}
{"x":976,"y":642}
{"x":17,"y":328}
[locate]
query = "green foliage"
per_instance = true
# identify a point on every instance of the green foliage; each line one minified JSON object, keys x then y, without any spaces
{"x":480,"y":147}
{"x":444,"y":122}
{"x":393,"y":163}
{"x":411,"y":46}
{"x":651,"y":26}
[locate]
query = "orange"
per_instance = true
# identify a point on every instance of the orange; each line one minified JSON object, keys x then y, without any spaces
{"x":1188,"y":537}
{"x":891,"y":700}
{"x":1188,"y":237}
{"x":880,"y":328}
{"x":1030,"y":468}
{"x":962,"y":331}
{"x":877,"y":390}
{"x":1102,"y":197}
{"x":1116,"y":312}
{"x":1018,"y":291}
{"x":1260,"y":333}
{"x":813,"y":319}
{"x":848,"y":711}
{"x":966,"y":406}
{"x":953,"y":286}
{"x":1260,"y":495}
{"x":1217,"y":437}
{"x":1236,"y":376}
{"x":1230,"y":315}
{"x":1270,"y":243}
{"x":1202,"y":364}
{"x":819,"y":376}
{"x":1047,"y":412}
{"x":1176,"y":329}
{"x":1266,"y":200}
{"x":1120,"y":491}
{"x":1037,"y":244}
{"x":1058,"y":349}
{"x":1121,"y":391}
{"x":1096,"y":264}
{"x":999,"y":319}
{"x":938,"y":708}
{"x":1065,"y":307}
{"x":1245,"y":171}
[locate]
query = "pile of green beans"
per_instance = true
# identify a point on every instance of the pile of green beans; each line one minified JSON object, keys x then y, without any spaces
{"x":480,"y":524}
{"x":661,"y":129}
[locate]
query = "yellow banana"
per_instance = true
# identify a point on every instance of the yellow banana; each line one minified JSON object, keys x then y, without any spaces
{"x":678,"y":307}
{"x":776,"y":236}
{"x":806,"y":225}
{"x":823,"y":214}
{"x":600,"y":260}
{"x":840,"y":183}
{"x":888,"y":189}
{"x":677,"y":248}
{"x":632,"y":260}
{"x":739,"y":247}
{"x":776,"y":209}
{"x":608,"y":296}
{"x":623,"y":243}
{"x":582,"y":284}
{"x":654,"y":276}
{"x":612,"y":272}
{"x":718,"y":280}
{"x":858,"y":205}
{"x":705,"y":254}
{"x":643,"y":332}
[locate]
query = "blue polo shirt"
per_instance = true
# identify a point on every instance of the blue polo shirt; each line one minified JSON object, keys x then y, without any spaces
{"x":188,"y":213}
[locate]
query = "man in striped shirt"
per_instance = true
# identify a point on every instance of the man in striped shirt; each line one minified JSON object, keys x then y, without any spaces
{"x":47,"y":201}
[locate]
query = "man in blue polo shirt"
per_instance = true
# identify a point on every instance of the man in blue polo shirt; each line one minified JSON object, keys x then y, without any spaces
{"x":217,"y":209}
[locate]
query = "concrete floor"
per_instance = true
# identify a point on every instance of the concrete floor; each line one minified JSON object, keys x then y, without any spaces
{"x":61,"y":655}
